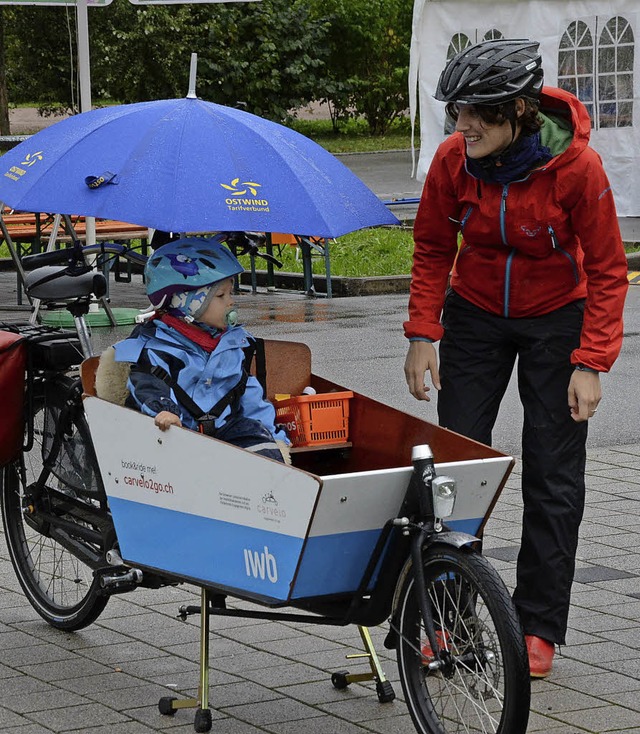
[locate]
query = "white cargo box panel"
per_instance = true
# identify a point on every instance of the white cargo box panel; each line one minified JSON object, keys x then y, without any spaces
{"x":200,"y":508}
{"x":212,"y":513}
{"x":353,"y":508}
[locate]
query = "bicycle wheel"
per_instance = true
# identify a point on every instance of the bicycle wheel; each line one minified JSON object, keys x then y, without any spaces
{"x":480,"y":683}
{"x":60,"y":586}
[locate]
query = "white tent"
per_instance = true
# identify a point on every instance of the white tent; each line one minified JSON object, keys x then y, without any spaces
{"x":587,"y":46}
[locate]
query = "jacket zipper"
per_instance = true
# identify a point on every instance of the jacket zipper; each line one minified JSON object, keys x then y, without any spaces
{"x":503,"y":234}
{"x":568,"y":255}
{"x":464,"y":219}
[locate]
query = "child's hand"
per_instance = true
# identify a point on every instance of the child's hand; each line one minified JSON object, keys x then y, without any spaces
{"x":164,"y":419}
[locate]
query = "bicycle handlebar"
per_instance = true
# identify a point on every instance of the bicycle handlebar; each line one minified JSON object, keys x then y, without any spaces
{"x":242,"y":243}
{"x":249,"y":243}
{"x":66,"y":256}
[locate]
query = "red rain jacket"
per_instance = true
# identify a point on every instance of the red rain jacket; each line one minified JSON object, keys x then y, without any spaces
{"x":528,"y":247}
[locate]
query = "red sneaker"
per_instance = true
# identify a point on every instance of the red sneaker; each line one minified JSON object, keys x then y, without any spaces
{"x":427,"y":653}
{"x":540,"y":656}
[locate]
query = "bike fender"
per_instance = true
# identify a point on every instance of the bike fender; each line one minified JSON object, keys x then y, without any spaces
{"x":454,"y":538}
{"x":447,"y":537}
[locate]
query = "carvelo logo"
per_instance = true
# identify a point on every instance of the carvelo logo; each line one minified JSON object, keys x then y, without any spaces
{"x":244,"y":196}
{"x":260,"y":564}
{"x":15,"y":173}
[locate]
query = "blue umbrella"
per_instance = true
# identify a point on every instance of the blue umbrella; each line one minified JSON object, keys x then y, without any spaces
{"x":185,"y":165}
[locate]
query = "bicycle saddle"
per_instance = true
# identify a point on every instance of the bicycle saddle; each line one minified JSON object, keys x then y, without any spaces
{"x":59,"y":283}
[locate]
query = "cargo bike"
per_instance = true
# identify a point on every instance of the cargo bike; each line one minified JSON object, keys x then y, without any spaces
{"x":376,"y":521}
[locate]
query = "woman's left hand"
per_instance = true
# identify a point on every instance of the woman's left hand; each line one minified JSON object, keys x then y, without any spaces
{"x":585,"y":394}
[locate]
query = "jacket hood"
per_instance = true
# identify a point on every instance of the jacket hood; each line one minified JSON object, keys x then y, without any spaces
{"x":564,"y":115}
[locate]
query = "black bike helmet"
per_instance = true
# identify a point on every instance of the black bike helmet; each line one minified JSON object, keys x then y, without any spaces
{"x":492,"y":72}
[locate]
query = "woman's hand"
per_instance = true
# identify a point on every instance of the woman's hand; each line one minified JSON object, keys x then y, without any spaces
{"x":584,"y":394}
{"x":420,"y":358}
{"x":164,"y":419}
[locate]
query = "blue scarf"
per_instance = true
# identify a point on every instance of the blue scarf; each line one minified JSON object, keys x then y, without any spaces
{"x":526,"y":153}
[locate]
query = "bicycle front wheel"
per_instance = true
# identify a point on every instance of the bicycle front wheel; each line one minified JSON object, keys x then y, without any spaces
{"x":60,"y":586}
{"x":478,"y":680}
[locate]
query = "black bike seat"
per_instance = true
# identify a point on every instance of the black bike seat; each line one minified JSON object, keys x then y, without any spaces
{"x":59,"y":283}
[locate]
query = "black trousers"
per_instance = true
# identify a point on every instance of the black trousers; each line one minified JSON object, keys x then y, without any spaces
{"x":477,"y":356}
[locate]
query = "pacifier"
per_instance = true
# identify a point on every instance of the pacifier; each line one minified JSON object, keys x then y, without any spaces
{"x":231,"y":317}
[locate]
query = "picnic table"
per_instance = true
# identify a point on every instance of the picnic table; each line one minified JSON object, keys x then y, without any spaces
{"x":27,"y":233}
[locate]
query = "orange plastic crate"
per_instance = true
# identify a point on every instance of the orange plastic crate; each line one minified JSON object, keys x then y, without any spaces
{"x":313,"y":420}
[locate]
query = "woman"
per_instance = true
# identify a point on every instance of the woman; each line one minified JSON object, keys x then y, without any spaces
{"x":539,"y":275}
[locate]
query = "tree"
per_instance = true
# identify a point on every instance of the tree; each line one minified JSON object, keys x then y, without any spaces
{"x":368,"y":64}
{"x":40,"y":56}
{"x":273,"y":57}
{"x":268,"y":56}
{"x":5,"y":128}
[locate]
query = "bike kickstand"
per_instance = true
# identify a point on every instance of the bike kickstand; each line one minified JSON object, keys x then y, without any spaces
{"x":168,"y":705}
{"x":384,"y":689}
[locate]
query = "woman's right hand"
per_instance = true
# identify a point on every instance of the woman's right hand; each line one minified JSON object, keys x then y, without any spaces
{"x":421,"y":358}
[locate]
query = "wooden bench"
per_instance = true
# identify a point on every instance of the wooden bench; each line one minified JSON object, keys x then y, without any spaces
{"x":308,"y":247}
{"x":33,"y":230}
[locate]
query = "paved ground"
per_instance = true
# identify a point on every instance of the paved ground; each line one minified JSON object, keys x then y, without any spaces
{"x":274,"y":677}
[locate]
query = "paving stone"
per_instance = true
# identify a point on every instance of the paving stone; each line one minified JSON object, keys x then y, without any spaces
{"x":317,"y":692}
{"x":285,"y":674}
{"x":127,"y":727}
{"x":504,"y":553}
{"x":73,"y":668}
{"x":300,"y":644}
{"x":166,"y":665}
{"x":317,"y":725}
{"x":591,"y":574}
{"x":77,"y":717}
{"x":131,"y":697}
{"x":269,"y":712}
{"x":183,"y":718}
{"x":10,"y":721}
{"x":189,"y":679}
{"x":89,"y":684}
{"x":53,"y":698}
{"x":40,"y":653}
{"x":363,"y":708}
{"x":398,"y":724}
{"x":601,"y":719}
{"x":121,"y":653}
{"x":601,"y":684}
{"x":233,"y":726}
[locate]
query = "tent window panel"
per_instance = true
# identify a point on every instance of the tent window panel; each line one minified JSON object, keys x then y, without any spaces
{"x":615,"y":73}
{"x":607,"y":114}
{"x":607,"y":87}
{"x":493,"y":35}
{"x":576,"y":62}
{"x":625,"y":114}
{"x":566,"y":63}
{"x":625,"y":86}
{"x":458,"y":43}
{"x":625,"y":58}
{"x":606,"y":60}
{"x":585,"y":89}
{"x":569,"y":85}
{"x":626,"y":36}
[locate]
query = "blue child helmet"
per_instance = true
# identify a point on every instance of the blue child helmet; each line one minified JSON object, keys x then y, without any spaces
{"x":188,"y":264}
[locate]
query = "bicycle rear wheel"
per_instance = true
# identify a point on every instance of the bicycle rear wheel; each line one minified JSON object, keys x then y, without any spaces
{"x":60,"y":586}
{"x":480,"y":680}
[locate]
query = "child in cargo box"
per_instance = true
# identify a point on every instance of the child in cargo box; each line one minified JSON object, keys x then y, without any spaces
{"x":189,"y":362}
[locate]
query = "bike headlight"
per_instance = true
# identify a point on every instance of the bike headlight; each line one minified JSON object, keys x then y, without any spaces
{"x":444,"y":496}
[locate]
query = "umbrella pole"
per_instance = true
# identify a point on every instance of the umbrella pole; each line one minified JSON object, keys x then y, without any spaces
{"x":191,"y":94}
